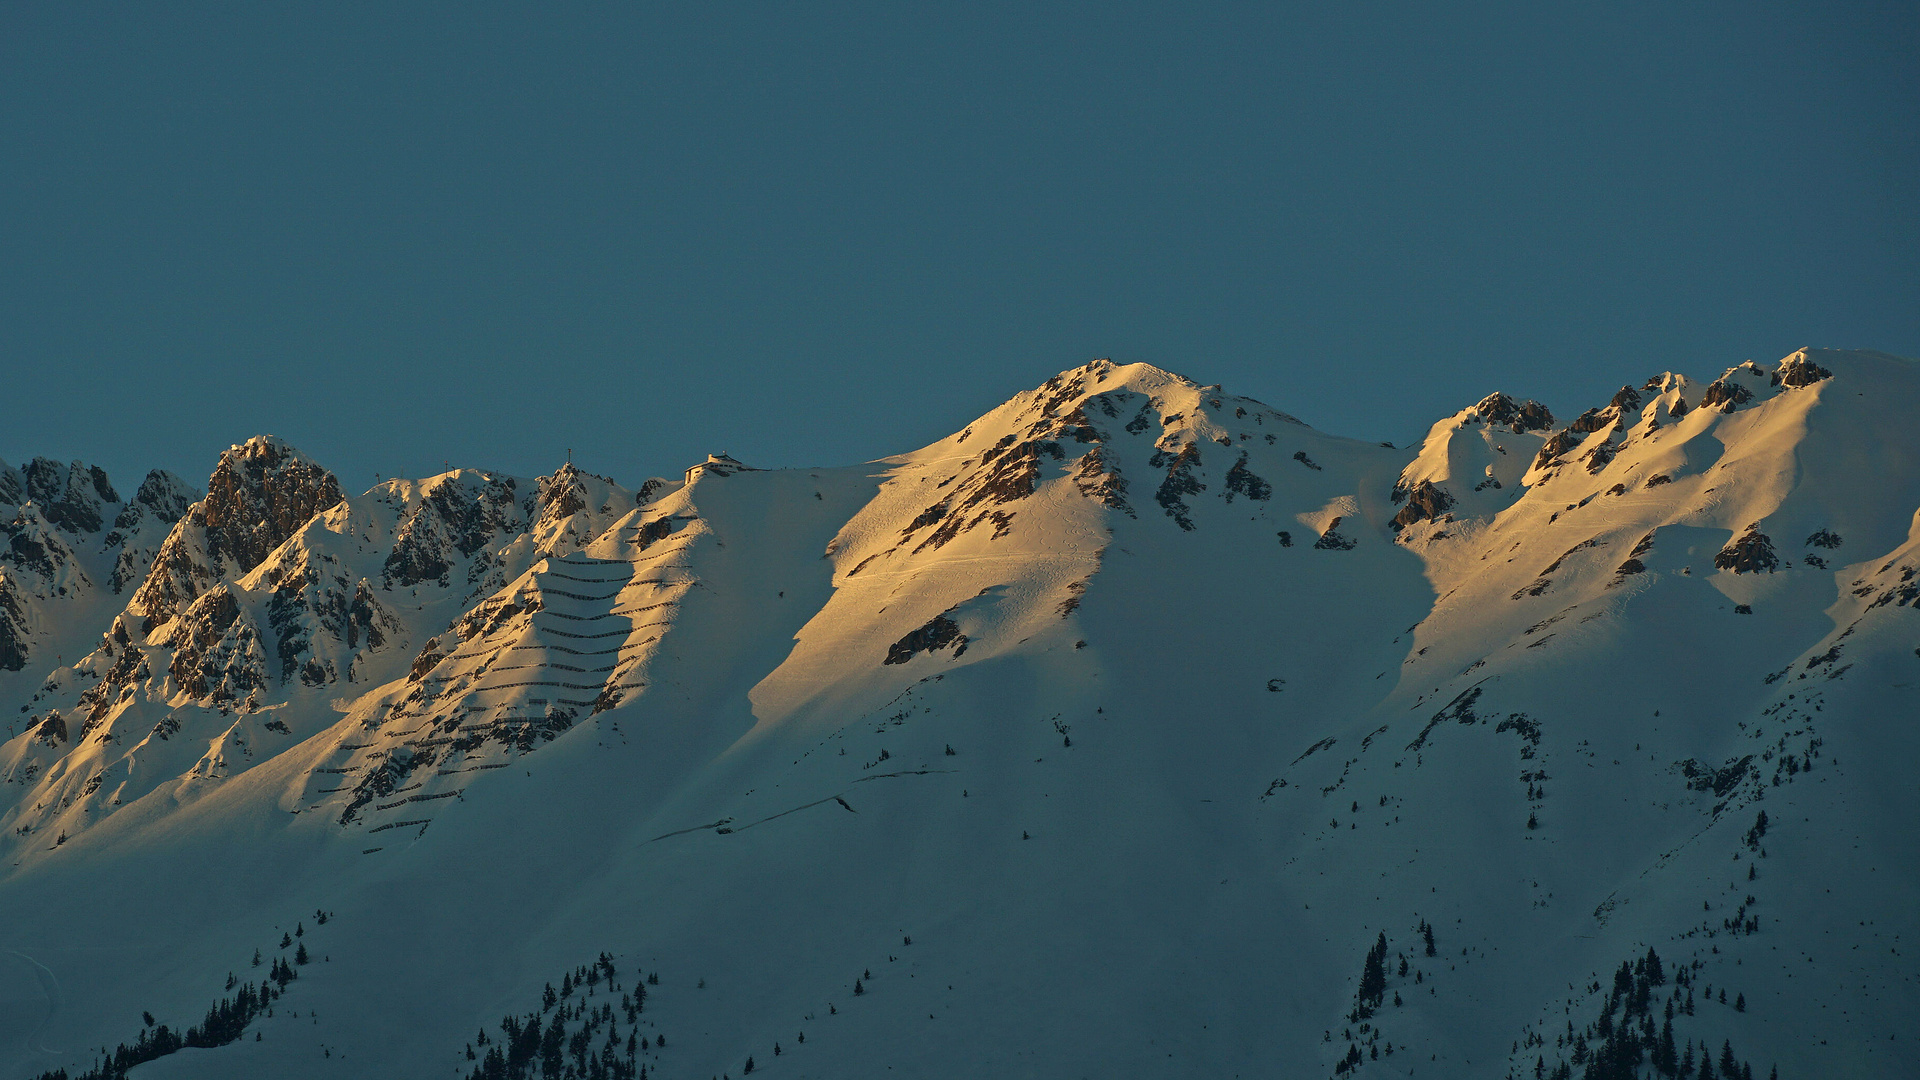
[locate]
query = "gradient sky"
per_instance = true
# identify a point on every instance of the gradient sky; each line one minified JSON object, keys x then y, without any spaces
{"x":399,"y":234}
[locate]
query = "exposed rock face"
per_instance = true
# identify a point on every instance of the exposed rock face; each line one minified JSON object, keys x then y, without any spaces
{"x":562,"y":495}
{"x":13,"y":628}
{"x":1424,"y":502}
{"x":1242,"y":481}
{"x":51,"y":550}
{"x":260,"y":493}
{"x":1099,"y":480}
{"x":458,"y":516}
{"x":309,"y":602}
{"x":1179,"y":484}
{"x":1502,"y":411}
{"x":34,"y":546}
{"x":1592,"y":420}
{"x":1799,"y":370}
{"x":1557,"y":444}
{"x":1331,"y":540}
{"x":70,"y":497}
{"x":1752,"y":553}
{"x":939,"y":633}
{"x":217,"y":653}
{"x":1726,"y":395}
{"x":162,"y":500}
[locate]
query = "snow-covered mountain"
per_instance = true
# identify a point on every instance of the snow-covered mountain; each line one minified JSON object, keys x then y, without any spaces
{"x":1136,"y":729}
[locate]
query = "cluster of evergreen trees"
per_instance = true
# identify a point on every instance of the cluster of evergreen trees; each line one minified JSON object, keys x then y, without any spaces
{"x":1372,"y":995}
{"x":225,"y":1022}
{"x":1624,"y":1038}
{"x":562,"y":1040}
{"x":1373,"y":980}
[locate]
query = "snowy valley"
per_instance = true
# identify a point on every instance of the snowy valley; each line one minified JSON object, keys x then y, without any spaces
{"x":1135,"y":729}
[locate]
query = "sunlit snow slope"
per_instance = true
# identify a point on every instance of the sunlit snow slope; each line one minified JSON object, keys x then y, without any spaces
{"x":1104,"y":737}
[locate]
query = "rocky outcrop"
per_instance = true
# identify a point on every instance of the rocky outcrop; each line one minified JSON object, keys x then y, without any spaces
{"x":1242,"y":481}
{"x":70,"y":497}
{"x":1179,"y":484}
{"x":460,"y":514}
{"x":1798,"y":371}
{"x":162,"y":500}
{"x":1726,"y":396}
{"x":35,"y":547}
{"x":938,"y":633}
{"x":1752,"y":553}
{"x":1424,"y":502}
{"x":260,"y":493}
{"x":217,"y":652}
{"x":1557,"y":444}
{"x":14,"y":646}
{"x":1100,"y":480}
{"x":1521,"y":417}
{"x":1331,"y":540}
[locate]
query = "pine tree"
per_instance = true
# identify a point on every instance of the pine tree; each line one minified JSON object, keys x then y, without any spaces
{"x":286,"y":940}
{"x":1740,"y":1003}
{"x":1373,"y":978}
{"x":1426,"y":931}
{"x":858,"y":989}
{"x":749,"y":1067}
{"x":301,"y":956}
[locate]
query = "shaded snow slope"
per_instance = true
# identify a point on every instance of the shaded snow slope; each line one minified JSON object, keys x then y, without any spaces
{"x":1102,"y":737}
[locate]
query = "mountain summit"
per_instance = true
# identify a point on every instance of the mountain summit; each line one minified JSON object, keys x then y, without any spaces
{"x":1136,"y":728}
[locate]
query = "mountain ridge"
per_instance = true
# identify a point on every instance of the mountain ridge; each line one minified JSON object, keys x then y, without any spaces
{"x":1120,"y":602}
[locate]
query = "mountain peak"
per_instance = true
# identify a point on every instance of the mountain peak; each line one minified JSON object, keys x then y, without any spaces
{"x":1520,"y":417}
{"x":260,"y":493}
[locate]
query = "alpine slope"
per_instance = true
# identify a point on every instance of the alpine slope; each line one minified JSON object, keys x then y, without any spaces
{"x":1135,"y":729}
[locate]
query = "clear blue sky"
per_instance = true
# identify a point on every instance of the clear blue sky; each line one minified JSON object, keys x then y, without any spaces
{"x":398,"y":234}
